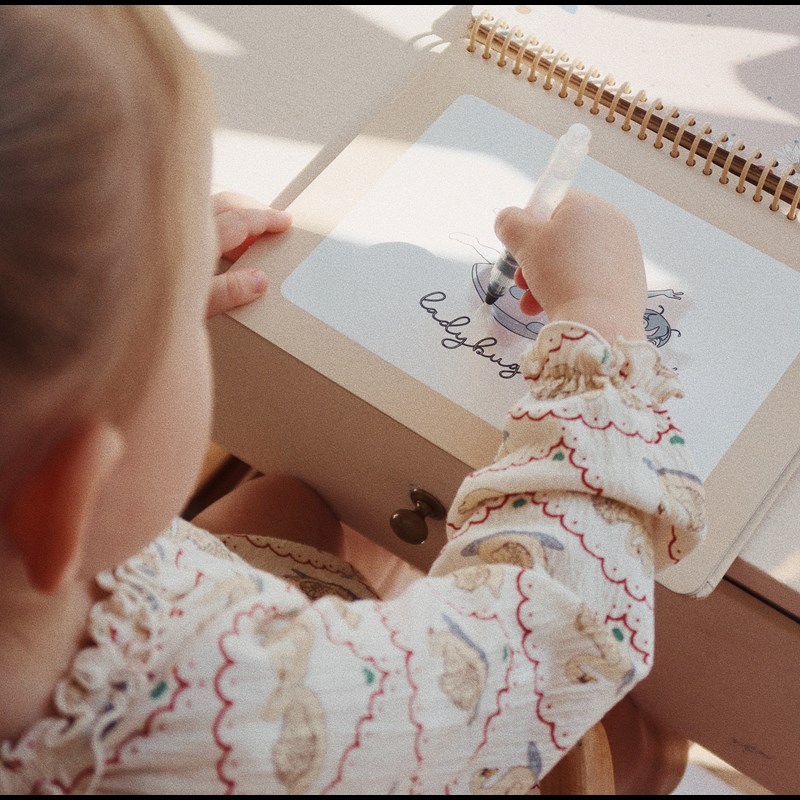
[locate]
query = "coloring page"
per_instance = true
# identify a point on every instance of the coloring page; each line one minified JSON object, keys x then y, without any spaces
{"x":405,"y":273}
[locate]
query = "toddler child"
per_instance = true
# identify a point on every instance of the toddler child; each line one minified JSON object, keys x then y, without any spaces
{"x":142,"y":654}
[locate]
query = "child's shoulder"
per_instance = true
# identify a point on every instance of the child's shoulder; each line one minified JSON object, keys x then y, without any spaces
{"x":156,"y":651}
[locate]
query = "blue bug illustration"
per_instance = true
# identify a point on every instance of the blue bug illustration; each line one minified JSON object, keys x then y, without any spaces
{"x":506,"y":310}
{"x":656,"y":326}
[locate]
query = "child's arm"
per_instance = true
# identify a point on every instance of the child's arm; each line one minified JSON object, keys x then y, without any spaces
{"x":537,"y":617}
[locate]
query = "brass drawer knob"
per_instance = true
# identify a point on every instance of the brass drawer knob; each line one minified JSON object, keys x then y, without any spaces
{"x":409,"y":523}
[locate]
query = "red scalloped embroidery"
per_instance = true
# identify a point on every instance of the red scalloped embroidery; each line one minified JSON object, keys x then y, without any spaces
{"x":551,"y":724}
{"x":229,"y":783}
{"x":617,"y":582}
{"x":147,"y":727}
{"x":560,"y":444}
{"x":370,"y":705}
{"x":673,"y":541}
{"x":646,"y":656}
{"x":414,"y":691}
{"x":609,"y":424}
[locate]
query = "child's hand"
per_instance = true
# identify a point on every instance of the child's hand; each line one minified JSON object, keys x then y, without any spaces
{"x":239,"y":221}
{"x":584,"y":265}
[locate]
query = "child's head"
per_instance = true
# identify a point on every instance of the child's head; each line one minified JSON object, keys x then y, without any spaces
{"x":105,"y":258}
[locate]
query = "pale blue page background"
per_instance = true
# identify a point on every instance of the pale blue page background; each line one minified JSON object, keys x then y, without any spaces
{"x":430,"y":218}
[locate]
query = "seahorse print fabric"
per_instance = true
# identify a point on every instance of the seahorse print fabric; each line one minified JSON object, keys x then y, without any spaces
{"x":210,"y":675}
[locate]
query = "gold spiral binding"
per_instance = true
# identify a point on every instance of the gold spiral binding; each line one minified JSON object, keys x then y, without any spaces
{"x":568,"y":77}
{"x":773,"y":206}
{"x":656,"y":105}
{"x":548,"y":78}
{"x":640,"y":98}
{"x":765,"y":173}
{"x":516,"y":33}
{"x":688,"y":123}
{"x":590,"y":73}
{"x":707,"y":130}
{"x":476,"y":28}
{"x":737,"y":148}
{"x":791,"y":215}
{"x":530,"y":41}
{"x":496,"y":36}
{"x":740,"y":188}
{"x":598,"y":93}
{"x":662,"y":128}
{"x":612,"y":109}
{"x":544,"y":49}
{"x":487,"y":47}
{"x":723,"y":137}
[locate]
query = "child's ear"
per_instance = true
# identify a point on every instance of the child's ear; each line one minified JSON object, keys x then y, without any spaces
{"x":50,"y":509}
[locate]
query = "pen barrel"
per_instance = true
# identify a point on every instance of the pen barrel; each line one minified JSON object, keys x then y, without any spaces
{"x":550,"y":190}
{"x":506,"y":265}
{"x":501,"y":276}
{"x":547,"y":196}
{"x":561,"y":170}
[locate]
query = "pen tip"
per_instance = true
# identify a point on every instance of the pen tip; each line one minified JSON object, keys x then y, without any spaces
{"x":491,"y":299}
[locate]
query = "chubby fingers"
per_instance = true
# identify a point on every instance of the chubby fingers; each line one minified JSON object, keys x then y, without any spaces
{"x":528,"y":304}
{"x":514,"y":227}
{"x":235,"y":288}
{"x":240,"y":220}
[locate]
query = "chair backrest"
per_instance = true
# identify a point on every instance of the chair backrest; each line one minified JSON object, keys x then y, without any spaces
{"x":586,"y":769}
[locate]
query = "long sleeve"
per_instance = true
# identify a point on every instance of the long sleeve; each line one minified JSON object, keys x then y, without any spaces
{"x":536,"y":618}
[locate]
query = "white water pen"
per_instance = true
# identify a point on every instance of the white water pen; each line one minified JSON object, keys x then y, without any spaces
{"x":550,"y":190}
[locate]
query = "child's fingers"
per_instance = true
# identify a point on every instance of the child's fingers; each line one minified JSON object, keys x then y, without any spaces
{"x":514,"y":227}
{"x":226,"y":201}
{"x":529,"y":305}
{"x":236,"y":225}
{"x":233,"y":289}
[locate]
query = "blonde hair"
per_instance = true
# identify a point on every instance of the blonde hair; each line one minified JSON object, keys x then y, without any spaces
{"x":101,"y":135}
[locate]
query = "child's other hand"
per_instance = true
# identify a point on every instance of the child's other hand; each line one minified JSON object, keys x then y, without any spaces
{"x":239,"y":221}
{"x":583,"y":265}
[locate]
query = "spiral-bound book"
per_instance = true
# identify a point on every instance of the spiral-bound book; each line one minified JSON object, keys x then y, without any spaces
{"x":388,"y":261}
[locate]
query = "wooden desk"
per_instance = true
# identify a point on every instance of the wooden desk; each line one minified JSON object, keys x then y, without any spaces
{"x":725,"y":668}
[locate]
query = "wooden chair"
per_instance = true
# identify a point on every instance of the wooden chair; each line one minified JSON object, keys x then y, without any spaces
{"x":586,"y":769}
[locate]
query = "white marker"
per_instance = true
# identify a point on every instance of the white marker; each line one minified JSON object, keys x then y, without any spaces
{"x":550,"y":190}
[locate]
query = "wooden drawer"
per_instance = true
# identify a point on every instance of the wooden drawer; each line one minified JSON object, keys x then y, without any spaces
{"x":278,"y":414}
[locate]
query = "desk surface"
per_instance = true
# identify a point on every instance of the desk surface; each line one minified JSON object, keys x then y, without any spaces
{"x":296,"y":83}
{"x":282,"y":118}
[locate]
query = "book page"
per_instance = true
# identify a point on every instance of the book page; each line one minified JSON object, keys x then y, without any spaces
{"x":404,"y":275}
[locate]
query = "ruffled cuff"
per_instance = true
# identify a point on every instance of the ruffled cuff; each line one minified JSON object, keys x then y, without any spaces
{"x":569,"y":358}
{"x":593,"y":425}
